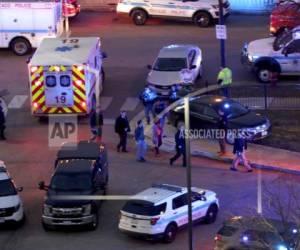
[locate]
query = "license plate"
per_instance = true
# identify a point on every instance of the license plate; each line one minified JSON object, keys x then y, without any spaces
{"x":264,"y":133}
{"x":67,"y":222}
{"x":2,"y":220}
{"x":134,"y":222}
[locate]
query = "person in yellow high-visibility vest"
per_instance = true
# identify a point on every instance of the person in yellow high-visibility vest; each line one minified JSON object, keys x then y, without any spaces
{"x":225,"y":79}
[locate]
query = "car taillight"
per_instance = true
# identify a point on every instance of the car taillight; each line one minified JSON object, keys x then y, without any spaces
{"x":153,"y":221}
{"x":218,"y":237}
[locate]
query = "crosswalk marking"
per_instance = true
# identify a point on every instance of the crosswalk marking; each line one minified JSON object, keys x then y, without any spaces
{"x":130,"y":104}
{"x":17,"y":101}
{"x":105,"y":102}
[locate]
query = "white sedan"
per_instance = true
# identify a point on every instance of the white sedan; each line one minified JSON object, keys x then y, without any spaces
{"x":178,"y":64}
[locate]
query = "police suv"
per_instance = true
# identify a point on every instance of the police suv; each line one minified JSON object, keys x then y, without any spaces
{"x":280,"y":55}
{"x":79,"y":172}
{"x":201,"y":12}
{"x":11,"y":206}
{"x":158,"y":212}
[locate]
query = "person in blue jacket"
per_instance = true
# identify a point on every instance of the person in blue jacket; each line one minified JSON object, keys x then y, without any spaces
{"x":148,"y":97}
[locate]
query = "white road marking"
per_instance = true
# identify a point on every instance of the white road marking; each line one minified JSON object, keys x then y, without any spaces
{"x":105,"y":102}
{"x":130,"y":104}
{"x":17,"y":101}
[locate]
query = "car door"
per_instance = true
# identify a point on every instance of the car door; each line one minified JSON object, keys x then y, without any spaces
{"x":184,"y":8}
{"x":198,"y":206}
{"x":290,"y":58}
{"x":158,"y":7}
{"x":196,"y":111}
{"x":180,"y":210}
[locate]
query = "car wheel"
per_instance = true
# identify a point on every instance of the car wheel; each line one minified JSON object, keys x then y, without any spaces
{"x":20,"y":46}
{"x":263,"y":75}
{"x":170,"y":233}
{"x":139,"y":17}
{"x":202,"y":19}
{"x":211,"y":214}
{"x":94,"y":224}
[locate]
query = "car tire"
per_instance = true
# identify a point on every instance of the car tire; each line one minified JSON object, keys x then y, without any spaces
{"x":202,"y":19}
{"x":263,"y":74}
{"x":93,"y":226}
{"x":170,"y":233}
{"x":139,"y":17}
{"x":20,"y":46}
{"x":211,"y":214}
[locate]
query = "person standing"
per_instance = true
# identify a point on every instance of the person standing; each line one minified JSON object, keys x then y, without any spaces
{"x":148,"y":97}
{"x":180,"y":147}
{"x":122,"y":128}
{"x":159,"y":107}
{"x":2,"y":122}
{"x":141,"y":145}
{"x":96,"y":123}
{"x":173,"y":95}
{"x":222,"y":126}
{"x":225,"y":80}
{"x":239,"y":148}
{"x":157,"y":135}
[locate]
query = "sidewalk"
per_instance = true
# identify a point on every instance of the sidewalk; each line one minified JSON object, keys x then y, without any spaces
{"x":261,"y":157}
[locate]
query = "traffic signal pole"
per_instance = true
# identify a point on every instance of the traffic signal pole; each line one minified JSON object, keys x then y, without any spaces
{"x":222,"y":41}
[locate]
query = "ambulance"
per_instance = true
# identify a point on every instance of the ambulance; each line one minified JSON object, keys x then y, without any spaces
{"x":66,"y":76}
{"x":24,"y":24}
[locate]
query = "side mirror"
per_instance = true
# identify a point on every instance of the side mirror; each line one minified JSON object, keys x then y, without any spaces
{"x":20,"y":189}
{"x":41,"y":185}
{"x":193,"y":67}
{"x":149,"y":66}
{"x":103,"y":55}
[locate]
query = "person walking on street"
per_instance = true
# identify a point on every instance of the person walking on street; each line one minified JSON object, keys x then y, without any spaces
{"x":159,"y":107}
{"x":96,"y":123}
{"x":239,"y":148}
{"x":180,"y":147}
{"x":222,"y":126}
{"x":157,"y":135}
{"x":141,"y":145}
{"x":225,"y":80}
{"x":122,"y":128}
{"x":148,"y":97}
{"x":2,"y":122}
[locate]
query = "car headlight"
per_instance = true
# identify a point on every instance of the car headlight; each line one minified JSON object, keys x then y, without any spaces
{"x":17,"y":207}
{"x":47,"y":210}
{"x":87,"y":209}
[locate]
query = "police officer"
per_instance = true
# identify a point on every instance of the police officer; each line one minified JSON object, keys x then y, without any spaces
{"x":225,"y":79}
{"x":148,"y":97}
{"x":2,"y":122}
{"x":173,"y":95}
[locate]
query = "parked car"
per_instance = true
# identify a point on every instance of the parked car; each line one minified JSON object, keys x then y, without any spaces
{"x":280,"y":55}
{"x":71,"y":8}
{"x":202,"y":13}
{"x":11,"y":205}
{"x":285,"y":15}
{"x":243,"y":233}
{"x":204,"y":115}
{"x":175,"y":64}
{"x":158,"y":212}
{"x":82,"y":170}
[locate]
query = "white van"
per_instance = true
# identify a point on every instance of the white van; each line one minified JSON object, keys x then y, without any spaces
{"x":23,"y":25}
{"x":202,"y":12}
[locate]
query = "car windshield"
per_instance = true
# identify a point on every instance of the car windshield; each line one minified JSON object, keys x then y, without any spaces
{"x":71,"y":182}
{"x":170,"y":64}
{"x":235,"y":110}
{"x":144,"y":208}
{"x":7,"y":188}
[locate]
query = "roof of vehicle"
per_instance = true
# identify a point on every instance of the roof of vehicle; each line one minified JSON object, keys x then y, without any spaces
{"x":82,"y":150}
{"x":176,"y":50}
{"x":3,"y":172}
{"x":212,"y":100}
{"x":74,"y":166}
{"x":158,"y":193}
{"x":53,"y":51}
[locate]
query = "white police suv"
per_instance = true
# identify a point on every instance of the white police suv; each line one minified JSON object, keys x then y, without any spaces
{"x":158,"y":212}
{"x":202,"y":12}
{"x":176,"y":64}
{"x":11,"y":206}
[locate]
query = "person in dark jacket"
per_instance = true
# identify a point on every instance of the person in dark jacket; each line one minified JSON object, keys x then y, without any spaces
{"x":180,"y":147}
{"x":148,"y":97}
{"x":122,"y":128}
{"x":141,"y":145}
{"x":222,"y":126}
{"x":2,"y":122}
{"x":96,"y":123}
{"x":239,"y":148}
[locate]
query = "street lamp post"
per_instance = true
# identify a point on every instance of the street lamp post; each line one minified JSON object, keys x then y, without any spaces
{"x":222,"y":41}
{"x":188,"y":170}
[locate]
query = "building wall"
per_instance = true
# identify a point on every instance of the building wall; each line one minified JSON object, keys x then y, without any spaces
{"x":242,"y":6}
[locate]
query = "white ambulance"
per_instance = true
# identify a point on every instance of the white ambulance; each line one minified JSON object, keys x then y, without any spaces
{"x":23,"y":25}
{"x":66,"y":76}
